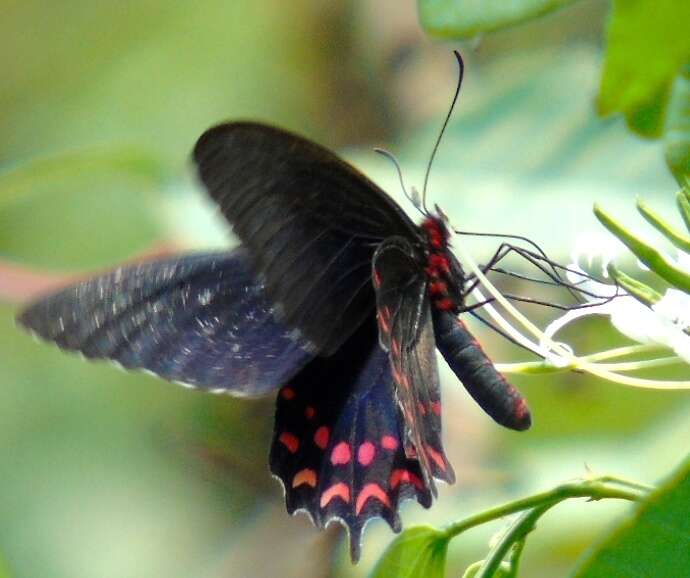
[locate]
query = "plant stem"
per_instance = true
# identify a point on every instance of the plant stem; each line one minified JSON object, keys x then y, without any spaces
{"x":522,"y":526}
{"x":594,"y":489}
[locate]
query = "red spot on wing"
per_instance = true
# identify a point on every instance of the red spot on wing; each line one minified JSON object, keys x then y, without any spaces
{"x":371,"y":491}
{"x":290,"y":441}
{"x":366,"y":453}
{"x":384,"y":318}
{"x":405,"y":477}
{"x":341,"y":454}
{"x":389,"y":443}
{"x":321,"y":437}
{"x":377,"y":279}
{"x":309,"y":412}
{"x":287,"y":393}
{"x":339,"y":490}
{"x":305,"y":476}
{"x":437,"y":458}
{"x":436,"y":407}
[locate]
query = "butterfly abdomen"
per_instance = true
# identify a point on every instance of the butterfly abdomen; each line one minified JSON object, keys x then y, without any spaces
{"x":488,"y":387}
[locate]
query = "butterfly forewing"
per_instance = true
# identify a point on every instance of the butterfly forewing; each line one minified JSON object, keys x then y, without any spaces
{"x":310,"y":221}
{"x":200,"y":319}
{"x":406,"y":331}
{"x":338,"y":440}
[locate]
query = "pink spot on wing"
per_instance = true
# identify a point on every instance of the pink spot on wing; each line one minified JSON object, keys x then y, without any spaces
{"x":341,"y":454}
{"x":421,"y":408}
{"x":309,"y":412}
{"x":321,"y":437}
{"x":389,"y":443}
{"x":287,"y":393}
{"x":305,"y":476}
{"x":437,"y":458}
{"x":436,"y":407}
{"x":405,"y":477}
{"x":371,"y":491}
{"x":339,"y":490}
{"x":366,"y":453}
{"x":290,"y":441}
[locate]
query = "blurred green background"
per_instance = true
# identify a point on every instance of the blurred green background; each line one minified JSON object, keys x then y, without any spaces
{"x":109,"y":474}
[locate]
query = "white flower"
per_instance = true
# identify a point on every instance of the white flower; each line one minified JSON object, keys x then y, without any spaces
{"x":666,"y":323}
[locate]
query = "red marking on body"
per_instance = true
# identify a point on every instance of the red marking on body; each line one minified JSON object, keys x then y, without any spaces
{"x":439,"y":262}
{"x":436,"y":407}
{"x":341,"y":454}
{"x":290,"y":441}
{"x":287,"y":393}
{"x":438,"y":288}
{"x":321,"y":437}
{"x":304,"y":477}
{"x":366,"y":453}
{"x":371,"y":491}
{"x":520,"y":408}
{"x":405,"y":477}
{"x":445,"y":304}
{"x":395,"y":346}
{"x":389,"y":443}
{"x":339,"y":490}
{"x":437,"y":458}
{"x":309,"y":412}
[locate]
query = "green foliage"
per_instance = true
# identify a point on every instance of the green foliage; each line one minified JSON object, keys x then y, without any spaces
{"x":677,"y":130}
{"x":647,"y":44}
{"x":654,"y":542}
{"x":650,"y":256}
{"x":419,"y":552}
{"x":465,"y":18}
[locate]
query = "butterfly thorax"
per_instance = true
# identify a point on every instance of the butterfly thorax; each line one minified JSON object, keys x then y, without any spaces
{"x":444,"y":285}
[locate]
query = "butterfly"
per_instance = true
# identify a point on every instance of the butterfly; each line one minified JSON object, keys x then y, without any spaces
{"x":335,"y":300}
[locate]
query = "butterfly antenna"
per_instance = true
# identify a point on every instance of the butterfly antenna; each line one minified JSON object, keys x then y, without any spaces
{"x":461,"y":73}
{"x":414,"y":199}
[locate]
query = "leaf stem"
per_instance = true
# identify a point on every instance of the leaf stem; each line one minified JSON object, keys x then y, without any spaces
{"x":594,"y":489}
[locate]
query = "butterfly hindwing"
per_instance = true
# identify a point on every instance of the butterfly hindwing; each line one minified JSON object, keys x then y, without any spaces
{"x":406,"y":332}
{"x":199,"y":319}
{"x":337,"y":443}
{"x":310,"y":221}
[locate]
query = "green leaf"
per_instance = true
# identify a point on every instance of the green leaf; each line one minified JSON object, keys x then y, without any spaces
{"x":655,"y":542}
{"x":419,"y":552}
{"x":647,"y":44}
{"x":677,"y":129}
{"x":650,"y":256}
{"x":464,"y":18}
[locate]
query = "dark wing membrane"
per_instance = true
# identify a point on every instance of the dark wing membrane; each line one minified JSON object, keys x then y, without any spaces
{"x":406,"y":332}
{"x":337,"y":443}
{"x":477,"y":373}
{"x":310,"y":221}
{"x":200,"y":319}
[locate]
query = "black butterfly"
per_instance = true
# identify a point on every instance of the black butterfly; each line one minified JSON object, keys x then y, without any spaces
{"x":335,"y":298}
